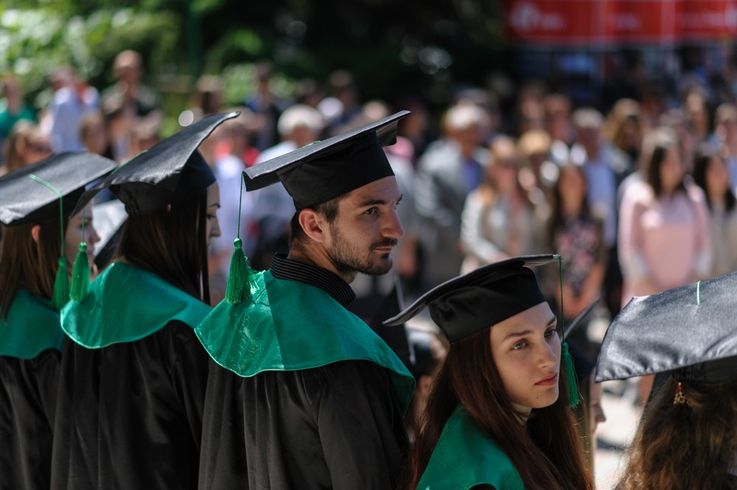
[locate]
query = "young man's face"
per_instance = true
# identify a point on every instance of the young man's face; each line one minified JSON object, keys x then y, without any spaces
{"x":366,"y":228}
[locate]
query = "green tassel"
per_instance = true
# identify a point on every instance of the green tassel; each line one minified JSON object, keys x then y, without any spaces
{"x":573,"y":398}
{"x":60,"y":294}
{"x":238,"y":288}
{"x":80,"y":274}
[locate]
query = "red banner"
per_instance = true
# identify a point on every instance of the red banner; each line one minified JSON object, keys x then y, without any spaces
{"x":619,"y":21}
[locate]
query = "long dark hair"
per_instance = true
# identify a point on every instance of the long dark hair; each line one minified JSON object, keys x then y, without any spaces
{"x":684,"y":446}
{"x":171,"y":243}
{"x":28,"y":264}
{"x":702,"y":158}
{"x":546,"y":451}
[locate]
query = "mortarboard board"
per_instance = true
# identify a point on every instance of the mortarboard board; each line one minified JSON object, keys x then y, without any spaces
{"x":24,"y":199}
{"x":479,"y":299}
{"x":326,"y":169}
{"x":689,"y":331}
{"x":170,"y":170}
{"x":49,"y":188}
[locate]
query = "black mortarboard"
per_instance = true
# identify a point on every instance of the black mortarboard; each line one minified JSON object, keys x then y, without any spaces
{"x":689,"y":331}
{"x":31,"y":194}
{"x":170,"y":170}
{"x":484,"y":297}
{"x":326,"y":169}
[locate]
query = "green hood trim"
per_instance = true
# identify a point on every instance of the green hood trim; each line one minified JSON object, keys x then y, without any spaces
{"x":465,"y":457}
{"x":290,"y":326}
{"x":126,"y":304}
{"x":31,"y":327}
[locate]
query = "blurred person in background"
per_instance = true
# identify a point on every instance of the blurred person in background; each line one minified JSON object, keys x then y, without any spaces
{"x":136,"y":98}
{"x":623,"y":130}
{"x":267,"y":105}
{"x":498,"y":219}
{"x":75,"y":99}
{"x":725,"y":138}
{"x":145,"y":133}
{"x":576,"y":233}
{"x":429,"y":349}
{"x":273,"y":207}
{"x":26,"y":144}
{"x":448,"y":171}
{"x":12,"y":106}
{"x":538,"y":173}
{"x":93,"y":134}
{"x":696,"y":109}
{"x":664,"y":238}
{"x":118,"y":123}
{"x":711,"y":175}
{"x":557,"y":117}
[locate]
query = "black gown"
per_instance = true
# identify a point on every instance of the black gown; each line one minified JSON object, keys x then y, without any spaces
{"x":338,"y":426}
{"x":27,"y":402}
{"x":129,"y":415}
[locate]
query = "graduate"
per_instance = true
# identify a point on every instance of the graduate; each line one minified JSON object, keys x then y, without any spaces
{"x":687,"y":437}
{"x":498,"y":414}
{"x":39,"y":244}
{"x":302,"y":394}
{"x":132,"y":379}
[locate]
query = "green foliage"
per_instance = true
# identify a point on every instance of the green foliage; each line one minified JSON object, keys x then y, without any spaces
{"x":35,"y":42}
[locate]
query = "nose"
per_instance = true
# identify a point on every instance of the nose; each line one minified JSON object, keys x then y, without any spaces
{"x":392,"y":227}
{"x":549,"y":354}
{"x":92,"y":236}
{"x":215,"y":230}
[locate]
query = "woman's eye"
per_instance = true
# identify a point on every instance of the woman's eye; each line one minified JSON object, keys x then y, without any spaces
{"x":519,"y":345}
{"x":551,"y":331}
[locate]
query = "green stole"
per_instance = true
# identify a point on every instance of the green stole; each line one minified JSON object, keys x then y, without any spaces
{"x":465,"y":457}
{"x":288,"y":325}
{"x":31,"y":327}
{"x":126,"y":304}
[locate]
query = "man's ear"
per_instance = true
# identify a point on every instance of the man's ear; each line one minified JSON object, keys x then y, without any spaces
{"x":313,"y":224}
{"x":36,"y":233}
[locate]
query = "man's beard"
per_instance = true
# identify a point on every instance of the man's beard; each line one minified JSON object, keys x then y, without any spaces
{"x":348,"y":258}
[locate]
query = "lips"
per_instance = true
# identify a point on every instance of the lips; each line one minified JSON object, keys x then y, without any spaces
{"x":551,"y":381}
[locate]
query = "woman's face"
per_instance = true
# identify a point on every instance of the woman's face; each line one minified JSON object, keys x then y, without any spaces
{"x":80,"y":229}
{"x":572,"y":185}
{"x":526,"y":352}
{"x":671,"y":171}
{"x":717,"y":177}
{"x":212,"y":228}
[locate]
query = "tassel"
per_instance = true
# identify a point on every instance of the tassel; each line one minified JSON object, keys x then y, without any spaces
{"x":60,"y":294}
{"x":238,"y":288}
{"x":80,"y":274}
{"x":573,"y":398}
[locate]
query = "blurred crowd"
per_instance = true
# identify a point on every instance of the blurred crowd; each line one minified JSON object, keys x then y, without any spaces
{"x":636,"y":197}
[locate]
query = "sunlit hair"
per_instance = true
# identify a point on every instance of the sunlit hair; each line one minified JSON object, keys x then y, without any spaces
{"x":546,"y":451}
{"x":654,"y":150}
{"x":171,"y":243}
{"x":27,"y":264}
{"x":685,"y":446}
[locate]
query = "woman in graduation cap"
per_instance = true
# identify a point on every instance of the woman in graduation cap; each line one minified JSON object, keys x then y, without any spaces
{"x":133,"y":375}
{"x":498,"y":413}
{"x":687,"y":437}
{"x":39,"y":244}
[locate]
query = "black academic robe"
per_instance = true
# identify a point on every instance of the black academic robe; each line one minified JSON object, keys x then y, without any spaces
{"x":337,"y":426}
{"x":129,"y":415}
{"x":27,"y":402}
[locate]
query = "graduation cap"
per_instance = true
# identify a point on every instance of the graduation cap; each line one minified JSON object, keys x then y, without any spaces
{"x":688,"y":331}
{"x":326,"y":169}
{"x":47,"y":189}
{"x":475,"y":301}
{"x":172,"y":169}
{"x":24,"y":198}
